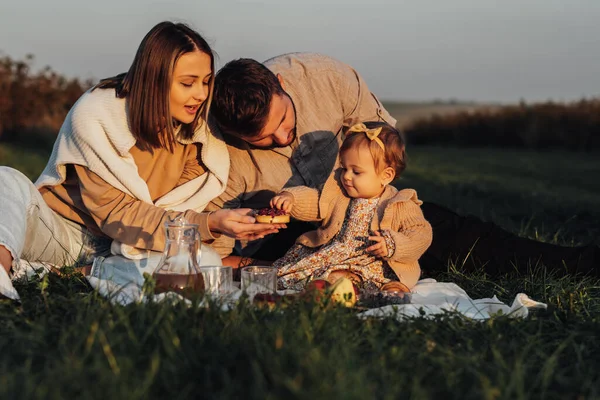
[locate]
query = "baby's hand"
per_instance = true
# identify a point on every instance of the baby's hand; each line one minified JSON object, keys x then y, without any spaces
{"x":283,"y":201}
{"x":379,"y":248}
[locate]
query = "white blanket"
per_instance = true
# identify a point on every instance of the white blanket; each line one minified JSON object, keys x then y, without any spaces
{"x":429,"y":298}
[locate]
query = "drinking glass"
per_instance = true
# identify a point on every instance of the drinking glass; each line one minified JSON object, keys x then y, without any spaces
{"x":259,"y":279}
{"x":218,"y":279}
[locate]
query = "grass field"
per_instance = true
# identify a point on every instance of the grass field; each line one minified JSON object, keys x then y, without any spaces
{"x":550,"y":196}
{"x":64,"y":341}
{"x":31,"y":163}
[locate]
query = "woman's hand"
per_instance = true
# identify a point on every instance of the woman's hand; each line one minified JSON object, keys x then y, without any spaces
{"x":239,"y":224}
{"x":283,"y":201}
{"x":379,"y":249}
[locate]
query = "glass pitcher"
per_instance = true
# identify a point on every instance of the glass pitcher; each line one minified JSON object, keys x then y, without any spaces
{"x":178,"y":270}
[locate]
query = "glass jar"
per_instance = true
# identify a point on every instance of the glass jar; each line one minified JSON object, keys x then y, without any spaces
{"x":178,"y":270}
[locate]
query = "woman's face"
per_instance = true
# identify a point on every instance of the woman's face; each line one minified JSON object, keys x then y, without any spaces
{"x":189,"y":89}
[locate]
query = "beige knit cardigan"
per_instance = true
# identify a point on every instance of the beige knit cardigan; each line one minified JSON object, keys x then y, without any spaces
{"x":399,"y":212}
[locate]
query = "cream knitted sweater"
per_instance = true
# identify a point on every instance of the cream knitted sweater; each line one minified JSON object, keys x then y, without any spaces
{"x":96,"y":135}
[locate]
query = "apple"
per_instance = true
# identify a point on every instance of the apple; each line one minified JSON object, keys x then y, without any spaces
{"x":318,"y":284}
{"x":317,"y":290}
{"x":345,"y":292}
{"x":269,"y":300}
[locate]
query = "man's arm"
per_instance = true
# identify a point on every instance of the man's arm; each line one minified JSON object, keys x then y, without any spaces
{"x":232,"y":196}
{"x":360,"y":104}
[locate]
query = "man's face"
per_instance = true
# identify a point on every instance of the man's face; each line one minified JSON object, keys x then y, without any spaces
{"x":280,"y":129}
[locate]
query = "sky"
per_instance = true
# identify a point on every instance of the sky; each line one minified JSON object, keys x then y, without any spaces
{"x":419,"y":50}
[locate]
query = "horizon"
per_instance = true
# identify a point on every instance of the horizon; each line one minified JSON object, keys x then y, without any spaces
{"x":467,"y":51}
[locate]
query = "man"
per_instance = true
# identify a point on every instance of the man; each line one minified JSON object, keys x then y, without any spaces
{"x":284,"y":121}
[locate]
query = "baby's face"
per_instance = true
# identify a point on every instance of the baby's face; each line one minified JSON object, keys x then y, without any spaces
{"x":359,"y":175}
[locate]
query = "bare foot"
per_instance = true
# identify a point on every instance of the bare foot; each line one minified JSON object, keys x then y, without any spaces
{"x":5,"y":259}
{"x":85,"y":270}
{"x":8,"y":290}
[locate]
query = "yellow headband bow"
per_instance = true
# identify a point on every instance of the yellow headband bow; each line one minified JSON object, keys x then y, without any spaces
{"x":371,"y":133}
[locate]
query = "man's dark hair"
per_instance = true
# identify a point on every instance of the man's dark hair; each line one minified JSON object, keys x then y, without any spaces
{"x":242,"y":98}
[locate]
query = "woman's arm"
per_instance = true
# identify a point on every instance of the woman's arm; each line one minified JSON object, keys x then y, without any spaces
{"x":127,"y":219}
{"x":139,"y":224}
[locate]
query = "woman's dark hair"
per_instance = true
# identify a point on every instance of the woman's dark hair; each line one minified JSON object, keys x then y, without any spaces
{"x":241,"y":104}
{"x":147,"y":84}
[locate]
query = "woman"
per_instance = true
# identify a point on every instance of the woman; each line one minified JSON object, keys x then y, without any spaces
{"x":133,"y":153}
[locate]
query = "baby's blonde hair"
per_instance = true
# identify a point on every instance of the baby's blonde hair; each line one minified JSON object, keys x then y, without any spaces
{"x":393,"y":156}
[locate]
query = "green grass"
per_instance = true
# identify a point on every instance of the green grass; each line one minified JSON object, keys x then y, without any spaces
{"x":550,"y":196}
{"x":29,"y":162}
{"x":64,"y":341}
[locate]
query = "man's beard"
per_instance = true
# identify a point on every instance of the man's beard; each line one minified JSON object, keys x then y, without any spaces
{"x":275,"y":145}
{"x":294,"y":132}
{"x":292,"y":136}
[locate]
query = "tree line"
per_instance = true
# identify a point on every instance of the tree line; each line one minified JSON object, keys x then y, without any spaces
{"x":33,"y":106}
{"x":549,"y":125}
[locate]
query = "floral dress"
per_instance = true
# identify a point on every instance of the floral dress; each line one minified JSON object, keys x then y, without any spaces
{"x":346,"y":251}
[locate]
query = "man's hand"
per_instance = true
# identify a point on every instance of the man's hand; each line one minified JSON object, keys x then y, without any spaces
{"x":283,"y":201}
{"x":239,"y":224}
{"x":379,"y":249}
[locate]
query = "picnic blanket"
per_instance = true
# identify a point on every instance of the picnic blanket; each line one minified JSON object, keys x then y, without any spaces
{"x":121,"y":281}
{"x":118,"y":277}
{"x":429,"y":297}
